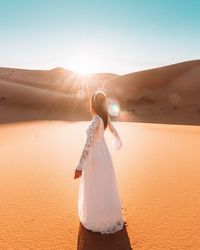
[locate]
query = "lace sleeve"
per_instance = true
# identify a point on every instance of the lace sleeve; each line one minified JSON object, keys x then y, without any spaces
{"x":116,"y":140}
{"x":89,"y":142}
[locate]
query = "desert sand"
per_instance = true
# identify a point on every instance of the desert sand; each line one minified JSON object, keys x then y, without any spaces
{"x":157,"y":172}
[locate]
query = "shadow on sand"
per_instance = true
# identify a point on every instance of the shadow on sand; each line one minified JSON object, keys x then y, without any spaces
{"x":88,"y":240}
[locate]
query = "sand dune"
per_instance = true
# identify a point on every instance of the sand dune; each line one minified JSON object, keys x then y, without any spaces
{"x":56,"y":94}
{"x":167,"y":94}
{"x":142,"y":83}
{"x":158,"y":178}
{"x":58,"y":79}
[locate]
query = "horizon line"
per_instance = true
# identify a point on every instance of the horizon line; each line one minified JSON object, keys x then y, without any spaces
{"x":97,"y":72}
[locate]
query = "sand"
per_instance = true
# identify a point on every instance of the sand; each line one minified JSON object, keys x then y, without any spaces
{"x":157,"y":172}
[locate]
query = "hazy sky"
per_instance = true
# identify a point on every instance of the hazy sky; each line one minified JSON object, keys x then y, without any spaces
{"x":106,"y":36}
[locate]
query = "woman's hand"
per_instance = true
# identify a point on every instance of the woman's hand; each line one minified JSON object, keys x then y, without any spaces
{"x":77,"y":173}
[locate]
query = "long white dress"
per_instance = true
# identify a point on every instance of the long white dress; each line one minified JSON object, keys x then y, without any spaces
{"x":99,"y":208}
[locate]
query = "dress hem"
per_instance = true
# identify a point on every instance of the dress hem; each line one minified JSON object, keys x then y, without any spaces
{"x":117,"y":227}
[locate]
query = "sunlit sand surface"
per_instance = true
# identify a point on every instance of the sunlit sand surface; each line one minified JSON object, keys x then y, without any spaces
{"x":158,"y":175}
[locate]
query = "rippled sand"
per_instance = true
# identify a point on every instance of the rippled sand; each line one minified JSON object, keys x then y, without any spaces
{"x":158,"y":174}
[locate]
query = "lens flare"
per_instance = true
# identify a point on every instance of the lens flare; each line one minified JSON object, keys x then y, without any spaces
{"x":113,"y":109}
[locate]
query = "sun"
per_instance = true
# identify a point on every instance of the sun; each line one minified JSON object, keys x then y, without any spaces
{"x":83,"y":63}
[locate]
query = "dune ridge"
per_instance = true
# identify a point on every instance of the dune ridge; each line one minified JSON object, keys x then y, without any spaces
{"x":168,"y":94}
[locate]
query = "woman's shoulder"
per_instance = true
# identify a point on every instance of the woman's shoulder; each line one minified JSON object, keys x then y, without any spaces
{"x":97,"y":118}
{"x":95,"y":121}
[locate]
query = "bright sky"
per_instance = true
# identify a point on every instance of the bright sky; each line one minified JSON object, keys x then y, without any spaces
{"x":98,"y":36}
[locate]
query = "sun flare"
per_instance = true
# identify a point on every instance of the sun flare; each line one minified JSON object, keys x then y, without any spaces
{"x":83,"y":64}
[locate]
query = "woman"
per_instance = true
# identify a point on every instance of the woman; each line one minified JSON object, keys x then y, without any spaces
{"x":99,"y":208}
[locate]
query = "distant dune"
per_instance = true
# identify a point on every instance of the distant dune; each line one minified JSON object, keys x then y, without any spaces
{"x":46,"y":94}
{"x":168,"y":94}
{"x":57,"y":79}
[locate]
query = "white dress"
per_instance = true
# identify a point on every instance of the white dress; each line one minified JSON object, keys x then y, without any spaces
{"x":99,"y":208}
